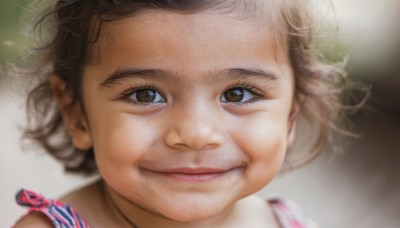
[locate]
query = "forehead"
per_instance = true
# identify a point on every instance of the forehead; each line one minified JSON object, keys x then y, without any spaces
{"x":189,"y":43}
{"x":262,"y":15}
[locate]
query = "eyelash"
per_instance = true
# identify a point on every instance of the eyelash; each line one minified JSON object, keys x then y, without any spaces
{"x":127,"y":93}
{"x":250,"y":88}
{"x":258,"y":94}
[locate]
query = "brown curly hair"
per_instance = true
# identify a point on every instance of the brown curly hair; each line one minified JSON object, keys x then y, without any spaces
{"x":71,"y":26}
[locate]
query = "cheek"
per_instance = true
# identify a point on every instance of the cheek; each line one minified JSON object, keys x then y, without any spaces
{"x":264,"y":143}
{"x":261,"y":135}
{"x":265,"y":146}
{"x":120,"y":140}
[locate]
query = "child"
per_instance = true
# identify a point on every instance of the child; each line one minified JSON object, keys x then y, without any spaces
{"x":185,"y":108}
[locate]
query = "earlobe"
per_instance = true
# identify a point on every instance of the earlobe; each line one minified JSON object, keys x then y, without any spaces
{"x":73,"y":116}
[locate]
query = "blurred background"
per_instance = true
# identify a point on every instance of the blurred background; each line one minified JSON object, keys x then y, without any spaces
{"x":359,"y":187}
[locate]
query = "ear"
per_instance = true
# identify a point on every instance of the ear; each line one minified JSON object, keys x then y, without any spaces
{"x":73,"y":116}
{"x":292,"y":122}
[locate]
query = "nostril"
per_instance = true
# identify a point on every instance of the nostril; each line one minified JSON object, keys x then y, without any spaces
{"x":194,"y":135}
{"x":201,"y":142}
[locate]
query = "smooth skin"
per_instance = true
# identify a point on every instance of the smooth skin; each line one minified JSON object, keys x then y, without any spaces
{"x":188,"y":115}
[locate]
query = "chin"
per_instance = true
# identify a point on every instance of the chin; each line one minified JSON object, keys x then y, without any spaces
{"x":185,"y":216}
{"x":194,"y":211}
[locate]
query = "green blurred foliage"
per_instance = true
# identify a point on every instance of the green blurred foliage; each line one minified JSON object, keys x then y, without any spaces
{"x":12,"y":39}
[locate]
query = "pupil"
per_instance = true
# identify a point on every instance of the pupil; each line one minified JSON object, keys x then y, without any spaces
{"x":146,"y":95}
{"x":234,"y":95}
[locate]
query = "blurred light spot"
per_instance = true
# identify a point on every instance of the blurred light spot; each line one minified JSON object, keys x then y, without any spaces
{"x":9,"y":43}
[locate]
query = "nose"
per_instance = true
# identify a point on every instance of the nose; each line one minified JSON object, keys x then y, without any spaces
{"x":195,"y":129}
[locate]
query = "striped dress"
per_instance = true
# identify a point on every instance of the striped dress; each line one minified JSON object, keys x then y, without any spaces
{"x":64,"y":216}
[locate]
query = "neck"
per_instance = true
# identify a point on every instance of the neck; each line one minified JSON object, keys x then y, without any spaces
{"x":117,"y":211}
{"x":133,"y":215}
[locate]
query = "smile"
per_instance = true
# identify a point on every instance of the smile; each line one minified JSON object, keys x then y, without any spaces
{"x":192,"y":175}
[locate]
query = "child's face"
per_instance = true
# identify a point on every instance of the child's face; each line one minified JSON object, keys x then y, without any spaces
{"x":187,"y":113}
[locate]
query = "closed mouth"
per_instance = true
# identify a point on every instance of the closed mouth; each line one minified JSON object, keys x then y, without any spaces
{"x":200,"y":174}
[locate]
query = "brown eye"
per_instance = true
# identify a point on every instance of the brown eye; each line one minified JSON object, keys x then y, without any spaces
{"x":147,"y":96}
{"x":236,"y":95}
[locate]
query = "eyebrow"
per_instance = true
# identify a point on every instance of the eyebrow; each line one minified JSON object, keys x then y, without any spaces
{"x":119,"y":75}
{"x":157,"y":74}
{"x":253,"y":72}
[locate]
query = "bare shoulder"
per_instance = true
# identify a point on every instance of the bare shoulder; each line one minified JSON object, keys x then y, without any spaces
{"x":84,"y":199}
{"x":81,"y":195}
{"x":88,"y":203}
{"x":34,"y":219}
{"x":255,"y":212}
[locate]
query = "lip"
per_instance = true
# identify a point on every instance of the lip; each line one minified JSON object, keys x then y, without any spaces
{"x":191,"y":175}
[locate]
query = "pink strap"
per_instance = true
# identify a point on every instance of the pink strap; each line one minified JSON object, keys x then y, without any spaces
{"x":287,"y":213}
{"x":60,"y":214}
